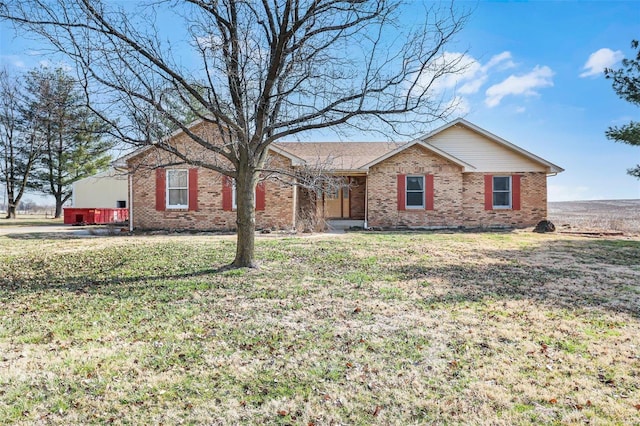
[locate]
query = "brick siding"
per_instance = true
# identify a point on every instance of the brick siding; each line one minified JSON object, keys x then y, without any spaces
{"x":416,"y":160}
{"x":533,"y":202}
{"x":209,"y":215}
{"x":458,"y":197}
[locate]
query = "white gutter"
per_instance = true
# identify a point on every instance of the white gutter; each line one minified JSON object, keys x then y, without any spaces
{"x":130,"y":202}
{"x":366,"y":202}
{"x":295,"y":202}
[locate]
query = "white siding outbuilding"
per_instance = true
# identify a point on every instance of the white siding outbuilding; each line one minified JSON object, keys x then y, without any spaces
{"x":108,"y":189}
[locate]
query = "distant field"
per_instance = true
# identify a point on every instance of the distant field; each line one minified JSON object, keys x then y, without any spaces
{"x":607,"y":215}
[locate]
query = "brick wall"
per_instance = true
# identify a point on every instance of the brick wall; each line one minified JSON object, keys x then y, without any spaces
{"x":209,"y":215}
{"x":533,"y":202}
{"x":416,"y":160}
{"x":458,"y":197}
{"x":357,"y":185}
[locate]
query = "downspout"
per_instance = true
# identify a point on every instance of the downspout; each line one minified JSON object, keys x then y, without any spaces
{"x":130,"y":202}
{"x":366,"y":201}
{"x":295,"y":203}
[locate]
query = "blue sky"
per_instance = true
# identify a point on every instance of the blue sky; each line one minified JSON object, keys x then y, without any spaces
{"x":534,"y":77}
{"x":536,"y":80}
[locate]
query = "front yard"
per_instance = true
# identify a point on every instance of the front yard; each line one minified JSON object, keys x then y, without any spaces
{"x":363,"y":328}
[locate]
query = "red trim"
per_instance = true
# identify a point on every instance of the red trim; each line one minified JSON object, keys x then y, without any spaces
{"x":161,"y":189}
{"x":193,"y":189}
{"x":515,"y":192}
{"x":227,"y":200}
{"x":429,"y":192}
{"x":402,"y":181}
{"x":260,"y":196}
{"x":488,"y":192}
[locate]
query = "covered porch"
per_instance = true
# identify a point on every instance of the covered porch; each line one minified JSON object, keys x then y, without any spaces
{"x":341,"y":204}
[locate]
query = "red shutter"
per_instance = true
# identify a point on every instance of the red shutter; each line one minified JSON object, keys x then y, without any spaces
{"x":260,"y":196}
{"x":193,"y":189}
{"x":401,"y":192}
{"x":488,"y":192}
{"x":227,"y":188}
{"x":515,"y":192}
{"x":161,"y":189}
{"x":429,"y":192}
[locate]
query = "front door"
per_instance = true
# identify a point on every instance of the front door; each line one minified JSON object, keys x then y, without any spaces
{"x":336,"y":203}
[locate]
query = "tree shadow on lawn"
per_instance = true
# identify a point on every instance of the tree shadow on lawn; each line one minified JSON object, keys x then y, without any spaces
{"x":569,"y":273}
{"x":573,"y":274}
{"x":113,"y":286}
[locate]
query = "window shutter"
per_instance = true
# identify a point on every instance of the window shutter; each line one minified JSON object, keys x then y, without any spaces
{"x":515,"y":192}
{"x":260,"y":196}
{"x":227,"y":188}
{"x":193,"y":189}
{"x":488,"y":192}
{"x":402,"y":181}
{"x":161,"y":189}
{"x":429,"y":192}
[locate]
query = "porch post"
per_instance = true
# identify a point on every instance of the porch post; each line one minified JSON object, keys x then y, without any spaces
{"x":295,"y":202}
{"x":366,"y":201}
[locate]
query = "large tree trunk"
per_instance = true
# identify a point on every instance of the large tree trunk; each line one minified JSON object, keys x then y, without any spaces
{"x":58,"y":207}
{"x":246,"y":220}
{"x":11,"y":211}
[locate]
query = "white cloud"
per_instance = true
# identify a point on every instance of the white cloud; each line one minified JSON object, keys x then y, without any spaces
{"x":472,"y":86}
{"x":520,"y":109}
{"x":599,"y":60}
{"x":466,"y":75}
{"x":501,"y":60}
{"x":524,"y":85}
{"x":458,"y":106}
{"x":13,"y":60}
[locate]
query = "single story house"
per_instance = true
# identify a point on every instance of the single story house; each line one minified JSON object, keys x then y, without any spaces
{"x":458,"y":175}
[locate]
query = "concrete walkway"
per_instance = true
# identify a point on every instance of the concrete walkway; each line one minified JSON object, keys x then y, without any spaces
{"x":83,"y":231}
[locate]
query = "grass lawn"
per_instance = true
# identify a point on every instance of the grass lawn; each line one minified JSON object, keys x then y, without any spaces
{"x":364,"y":328}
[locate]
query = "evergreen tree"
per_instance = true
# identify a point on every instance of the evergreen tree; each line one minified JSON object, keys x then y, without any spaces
{"x":626,"y":83}
{"x":74,"y":143}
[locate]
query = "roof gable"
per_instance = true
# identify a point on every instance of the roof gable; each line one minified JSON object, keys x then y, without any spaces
{"x":465,"y":166}
{"x":461,"y":142}
{"x":486,"y":151}
{"x":338,"y":156}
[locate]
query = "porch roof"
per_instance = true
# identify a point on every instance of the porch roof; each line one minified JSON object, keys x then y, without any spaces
{"x":344,"y":156}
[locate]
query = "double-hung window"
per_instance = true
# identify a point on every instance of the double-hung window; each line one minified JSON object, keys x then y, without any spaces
{"x":501,"y":192}
{"x":177,"y":189}
{"x":415,"y":192}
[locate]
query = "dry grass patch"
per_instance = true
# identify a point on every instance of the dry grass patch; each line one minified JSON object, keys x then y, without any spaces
{"x":397,"y":328}
{"x":597,"y":215}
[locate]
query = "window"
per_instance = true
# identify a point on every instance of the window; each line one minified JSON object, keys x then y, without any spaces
{"x":234,"y":195}
{"x":177,"y":189}
{"x":234,"y":202}
{"x":121,"y":204}
{"x":502,"y":192}
{"x":415,"y":192}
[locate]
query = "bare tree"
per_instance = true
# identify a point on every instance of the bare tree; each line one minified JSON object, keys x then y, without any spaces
{"x":20,"y":145}
{"x":265,"y":70}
